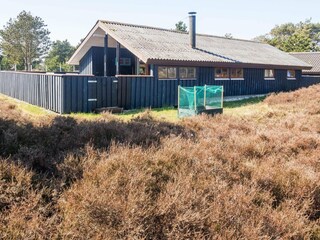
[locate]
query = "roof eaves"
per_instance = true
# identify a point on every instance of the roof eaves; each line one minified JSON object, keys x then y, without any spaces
{"x":199,"y":63}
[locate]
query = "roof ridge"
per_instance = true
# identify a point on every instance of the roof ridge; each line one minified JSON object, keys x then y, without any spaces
{"x":172,"y":30}
{"x":142,"y":26}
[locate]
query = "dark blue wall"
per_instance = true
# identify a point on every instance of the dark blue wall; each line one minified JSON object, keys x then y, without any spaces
{"x":140,"y":91}
{"x":86,"y":64}
{"x":92,"y":62}
{"x":253,"y":83}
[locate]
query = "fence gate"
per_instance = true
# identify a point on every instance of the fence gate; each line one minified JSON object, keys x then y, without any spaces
{"x":92,"y":94}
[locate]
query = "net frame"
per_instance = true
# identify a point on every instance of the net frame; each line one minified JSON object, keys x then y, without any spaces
{"x":196,"y":107}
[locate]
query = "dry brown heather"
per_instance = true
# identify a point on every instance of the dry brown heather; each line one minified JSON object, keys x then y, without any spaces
{"x":223,"y":177}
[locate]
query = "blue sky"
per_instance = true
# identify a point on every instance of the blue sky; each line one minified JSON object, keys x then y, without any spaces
{"x":72,"y":19}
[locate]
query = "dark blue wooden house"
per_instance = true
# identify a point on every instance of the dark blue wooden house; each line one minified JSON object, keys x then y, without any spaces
{"x":152,"y":62}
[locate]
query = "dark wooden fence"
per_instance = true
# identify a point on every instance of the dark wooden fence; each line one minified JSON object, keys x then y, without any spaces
{"x":140,"y":92}
{"x":61,"y":93}
{"x":38,"y":89}
{"x":84,"y":93}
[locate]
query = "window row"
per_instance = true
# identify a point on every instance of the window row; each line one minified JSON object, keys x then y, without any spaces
{"x":269,"y":74}
{"x":227,"y":73}
{"x":171,"y":72}
{"x":237,"y":73}
{"x":220,"y":73}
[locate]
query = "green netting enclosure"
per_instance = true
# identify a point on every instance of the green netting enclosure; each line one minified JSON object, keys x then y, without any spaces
{"x":199,"y":99}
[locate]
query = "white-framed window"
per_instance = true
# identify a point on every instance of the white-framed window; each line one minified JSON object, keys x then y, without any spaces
{"x":236,"y":73}
{"x":125,"y":61}
{"x":291,"y":74}
{"x":228,"y":73}
{"x":187,"y":73}
{"x":167,"y":72}
{"x":222,"y":74}
{"x":269,"y":74}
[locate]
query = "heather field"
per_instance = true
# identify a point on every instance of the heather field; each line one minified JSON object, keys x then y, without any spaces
{"x":251,"y":173}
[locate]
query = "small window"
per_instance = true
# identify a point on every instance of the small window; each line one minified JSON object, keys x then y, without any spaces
{"x":167,"y":72}
{"x":187,"y":73}
{"x":125,"y":61}
{"x":236,"y":73}
{"x":222,"y":73}
{"x":291,"y":74}
{"x":269,"y":73}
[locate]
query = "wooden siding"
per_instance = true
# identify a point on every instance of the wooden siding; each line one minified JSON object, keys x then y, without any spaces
{"x":61,"y":93}
{"x":86,"y":64}
{"x":38,"y":89}
{"x":92,"y":63}
{"x":86,"y":93}
{"x":141,"y":92}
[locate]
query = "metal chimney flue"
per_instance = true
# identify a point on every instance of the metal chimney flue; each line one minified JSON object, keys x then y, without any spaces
{"x":192,"y":29}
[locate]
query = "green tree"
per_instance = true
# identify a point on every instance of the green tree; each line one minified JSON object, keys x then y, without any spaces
{"x":299,"y":41}
{"x":1,"y":59}
{"x":290,"y":37}
{"x":59,"y":54}
{"x":4,"y":63}
{"x":181,"y":26}
{"x":24,"y":39}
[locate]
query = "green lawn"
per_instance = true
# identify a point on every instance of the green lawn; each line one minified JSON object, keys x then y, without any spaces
{"x":25,"y":107}
{"x":244,"y":106}
{"x":242,"y":103}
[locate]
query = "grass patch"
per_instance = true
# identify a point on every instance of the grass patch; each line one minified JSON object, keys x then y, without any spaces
{"x":166,"y":114}
{"x":243,"y":102}
{"x":171,"y":114}
{"x":33,"y":109}
{"x":87,"y":116}
{"x":25,"y":107}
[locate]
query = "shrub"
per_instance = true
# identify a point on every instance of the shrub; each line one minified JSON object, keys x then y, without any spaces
{"x":225,"y":177}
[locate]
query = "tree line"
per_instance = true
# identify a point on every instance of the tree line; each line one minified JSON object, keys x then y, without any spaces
{"x":289,"y":37}
{"x":25,"y":43}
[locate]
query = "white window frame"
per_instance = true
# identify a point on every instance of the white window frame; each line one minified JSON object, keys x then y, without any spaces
{"x":188,"y":78}
{"x":236,"y":78}
{"x":291,"y":78}
{"x":269,"y":78}
{"x":221,"y":78}
{"x":167,"y":68}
